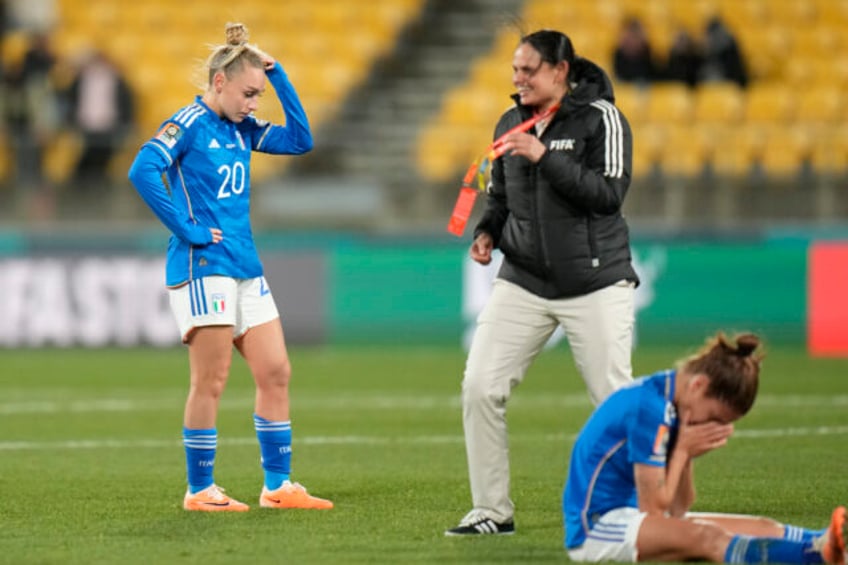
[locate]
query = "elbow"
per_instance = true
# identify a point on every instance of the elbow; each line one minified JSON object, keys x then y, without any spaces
{"x":307,"y":144}
{"x":656,"y":506}
{"x":134,"y":173}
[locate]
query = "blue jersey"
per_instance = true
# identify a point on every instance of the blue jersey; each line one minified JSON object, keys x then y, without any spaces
{"x":635,"y":424}
{"x":206,"y":161}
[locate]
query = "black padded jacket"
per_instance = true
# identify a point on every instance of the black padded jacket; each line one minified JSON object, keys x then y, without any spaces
{"x":559,"y":222}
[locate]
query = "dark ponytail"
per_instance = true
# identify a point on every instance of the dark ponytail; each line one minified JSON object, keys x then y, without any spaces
{"x":733,"y":368}
{"x":554,"y":46}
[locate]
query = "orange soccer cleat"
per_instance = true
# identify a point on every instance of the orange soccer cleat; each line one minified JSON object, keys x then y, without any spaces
{"x":292,"y":495}
{"x":834,"y":547}
{"x":213,"y":499}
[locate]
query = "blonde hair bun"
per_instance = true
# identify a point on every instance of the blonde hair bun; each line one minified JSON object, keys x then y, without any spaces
{"x":236,"y":34}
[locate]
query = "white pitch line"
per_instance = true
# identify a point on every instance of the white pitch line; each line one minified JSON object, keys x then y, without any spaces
{"x":375,"y":440}
{"x":373,"y":402}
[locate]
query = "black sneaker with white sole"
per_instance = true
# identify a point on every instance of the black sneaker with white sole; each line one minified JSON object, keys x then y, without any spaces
{"x":482,"y":526}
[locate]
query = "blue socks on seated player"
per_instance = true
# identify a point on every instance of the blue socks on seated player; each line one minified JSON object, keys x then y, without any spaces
{"x":200,"y":447}
{"x":275,"y":440}
{"x":797,"y":533}
{"x":747,"y":549}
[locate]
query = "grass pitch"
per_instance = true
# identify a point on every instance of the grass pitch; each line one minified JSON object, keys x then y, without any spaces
{"x":92,"y":467}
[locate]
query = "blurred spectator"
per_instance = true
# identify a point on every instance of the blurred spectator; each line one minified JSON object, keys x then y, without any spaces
{"x":31,"y":116}
{"x":722,"y":56}
{"x":684,"y":59}
{"x":101,"y":110}
{"x":32,"y":15}
{"x":633,"y":60}
{"x":5,"y":24}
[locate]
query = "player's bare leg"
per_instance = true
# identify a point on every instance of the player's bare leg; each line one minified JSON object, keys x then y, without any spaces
{"x":264,"y":349}
{"x":210,"y":356}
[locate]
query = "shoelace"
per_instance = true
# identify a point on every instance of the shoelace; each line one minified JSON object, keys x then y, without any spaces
{"x":217,"y":493}
{"x":472,"y":518}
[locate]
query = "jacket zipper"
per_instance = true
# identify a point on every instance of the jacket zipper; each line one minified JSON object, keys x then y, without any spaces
{"x":541,"y":243}
{"x":593,"y":245}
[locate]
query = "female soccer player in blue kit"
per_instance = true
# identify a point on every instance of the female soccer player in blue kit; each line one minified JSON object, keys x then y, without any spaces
{"x":630,"y":483}
{"x":217,"y":292}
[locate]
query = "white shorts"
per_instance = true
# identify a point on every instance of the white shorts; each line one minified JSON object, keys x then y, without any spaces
{"x":222,"y":301}
{"x":612,"y":538}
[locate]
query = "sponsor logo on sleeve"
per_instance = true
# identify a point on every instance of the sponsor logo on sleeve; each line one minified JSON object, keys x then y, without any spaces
{"x":170,"y":134}
{"x":660,"y":444}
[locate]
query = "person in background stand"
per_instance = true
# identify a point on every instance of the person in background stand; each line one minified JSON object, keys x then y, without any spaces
{"x":101,"y":108}
{"x":633,"y":60}
{"x":31,"y":108}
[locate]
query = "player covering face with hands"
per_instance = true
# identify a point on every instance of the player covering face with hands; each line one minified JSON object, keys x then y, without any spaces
{"x":218,"y":293}
{"x":631,"y":484}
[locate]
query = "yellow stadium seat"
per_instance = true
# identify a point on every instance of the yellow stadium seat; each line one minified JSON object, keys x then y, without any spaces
{"x":769,"y":103}
{"x":692,"y":14}
{"x":814,"y":69}
{"x":669,"y":103}
{"x":718,"y":102}
{"x":832,"y":11}
{"x":735,"y":150}
{"x":632,"y":101}
{"x":683,"y":152}
{"x":788,"y":13}
{"x":441,"y":152}
{"x":746,"y":14}
{"x":830,"y":151}
{"x":648,"y":147}
{"x":785,"y":150}
{"x":812,"y":41}
{"x":824,"y":104}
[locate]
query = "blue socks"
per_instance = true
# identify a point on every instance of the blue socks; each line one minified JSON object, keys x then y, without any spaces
{"x":797,"y":533}
{"x":275,"y":440}
{"x":747,"y":549}
{"x":200,"y":446}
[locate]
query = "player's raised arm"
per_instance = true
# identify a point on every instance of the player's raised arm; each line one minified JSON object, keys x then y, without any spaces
{"x":296,"y":136}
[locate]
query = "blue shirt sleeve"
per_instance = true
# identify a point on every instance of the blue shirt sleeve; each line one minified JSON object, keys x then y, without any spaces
{"x":294,"y":138}
{"x":146,"y":175}
{"x":649,"y":432}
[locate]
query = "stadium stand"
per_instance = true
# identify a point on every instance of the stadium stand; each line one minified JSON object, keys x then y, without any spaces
{"x":327,"y":48}
{"x":791,"y":115}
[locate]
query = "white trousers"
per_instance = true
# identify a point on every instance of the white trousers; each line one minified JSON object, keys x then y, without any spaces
{"x":511,"y":330}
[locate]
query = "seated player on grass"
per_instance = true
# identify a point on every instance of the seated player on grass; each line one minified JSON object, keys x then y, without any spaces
{"x":630,"y":482}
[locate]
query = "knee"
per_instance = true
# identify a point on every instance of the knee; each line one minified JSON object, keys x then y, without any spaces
{"x":275,"y":375}
{"x":211,"y":382}
{"x":711,"y":541}
{"x":480,"y":388}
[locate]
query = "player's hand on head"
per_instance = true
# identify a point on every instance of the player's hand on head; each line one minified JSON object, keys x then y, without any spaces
{"x":267,"y":61}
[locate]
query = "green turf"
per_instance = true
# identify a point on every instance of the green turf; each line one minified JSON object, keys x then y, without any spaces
{"x":92,"y":470}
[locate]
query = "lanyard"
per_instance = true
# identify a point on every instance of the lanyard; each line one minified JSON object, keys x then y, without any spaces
{"x":467,"y":193}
